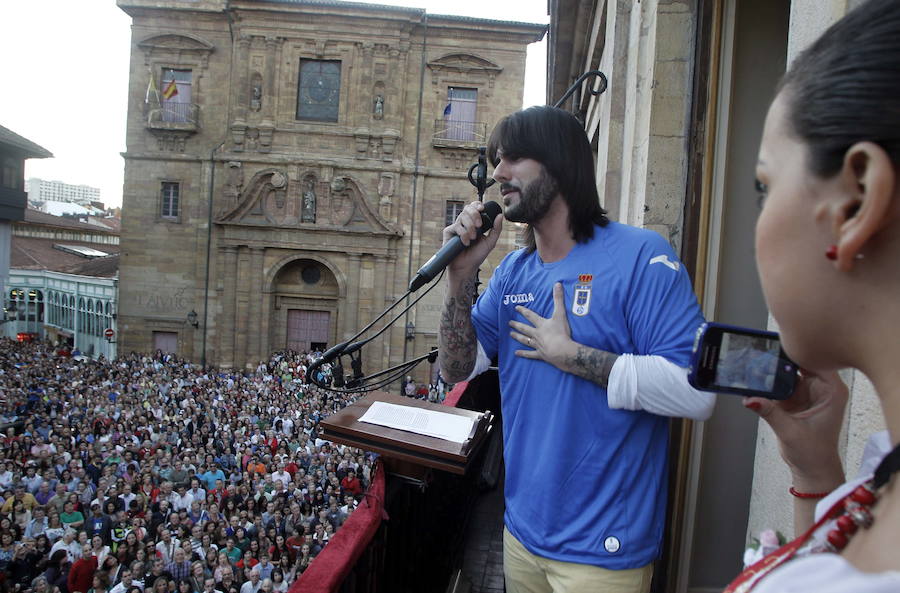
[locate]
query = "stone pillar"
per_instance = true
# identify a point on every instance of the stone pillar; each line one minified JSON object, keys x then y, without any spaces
{"x":393,"y":267}
{"x":380,"y":303}
{"x":611,"y":111}
{"x":229,"y":270}
{"x":269,"y":82}
{"x":242,"y":88}
{"x":267,"y":126}
{"x":365,"y":81}
{"x":241,"y":325}
{"x":255,"y":302}
{"x":266,"y":338}
{"x":352,"y":322}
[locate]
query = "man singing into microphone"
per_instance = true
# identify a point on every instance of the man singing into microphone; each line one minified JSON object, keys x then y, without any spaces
{"x":592,"y":324}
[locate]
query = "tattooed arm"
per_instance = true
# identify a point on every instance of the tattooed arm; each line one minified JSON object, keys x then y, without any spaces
{"x":588,"y":363}
{"x":457,"y":344}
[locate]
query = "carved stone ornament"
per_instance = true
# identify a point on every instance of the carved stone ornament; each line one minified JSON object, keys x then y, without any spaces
{"x":278,"y":179}
{"x":338,"y":185}
{"x":342,"y":205}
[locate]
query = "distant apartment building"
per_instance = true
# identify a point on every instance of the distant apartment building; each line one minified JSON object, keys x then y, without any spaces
{"x":41,"y":190}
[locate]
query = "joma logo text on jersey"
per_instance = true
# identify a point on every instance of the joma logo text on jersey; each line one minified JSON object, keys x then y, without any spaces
{"x":518,"y":299}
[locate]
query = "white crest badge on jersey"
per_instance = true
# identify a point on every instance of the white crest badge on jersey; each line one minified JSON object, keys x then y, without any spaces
{"x":581,"y":301}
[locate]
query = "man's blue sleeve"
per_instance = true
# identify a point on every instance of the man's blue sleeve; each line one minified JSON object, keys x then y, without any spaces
{"x":661,"y":310}
{"x":485,"y":314}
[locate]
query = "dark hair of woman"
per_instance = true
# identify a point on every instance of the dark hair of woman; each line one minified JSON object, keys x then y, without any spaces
{"x":103,"y":578}
{"x":837,"y":98}
{"x":535,"y":133}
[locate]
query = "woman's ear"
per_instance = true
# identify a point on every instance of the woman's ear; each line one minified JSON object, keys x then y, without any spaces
{"x":862,"y":212}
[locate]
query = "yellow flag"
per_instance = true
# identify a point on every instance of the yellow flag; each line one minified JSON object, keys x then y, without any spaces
{"x":151,"y":88}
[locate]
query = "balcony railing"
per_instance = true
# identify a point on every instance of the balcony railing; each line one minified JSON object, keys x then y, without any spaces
{"x":169,"y":115}
{"x":459,"y":133}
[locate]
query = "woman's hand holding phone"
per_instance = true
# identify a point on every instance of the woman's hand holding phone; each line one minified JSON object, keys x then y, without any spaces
{"x":808,"y":426}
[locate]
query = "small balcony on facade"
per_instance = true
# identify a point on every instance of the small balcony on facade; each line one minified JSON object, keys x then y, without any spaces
{"x":458,"y":134}
{"x":172,"y":116}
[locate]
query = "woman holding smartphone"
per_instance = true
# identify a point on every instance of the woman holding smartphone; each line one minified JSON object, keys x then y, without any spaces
{"x":828,"y":253}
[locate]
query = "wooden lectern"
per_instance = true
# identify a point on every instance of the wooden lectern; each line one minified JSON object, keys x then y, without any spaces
{"x":405,"y":452}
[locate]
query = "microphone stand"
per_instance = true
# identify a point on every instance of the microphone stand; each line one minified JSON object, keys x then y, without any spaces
{"x":359,"y":383}
{"x":481,"y":183}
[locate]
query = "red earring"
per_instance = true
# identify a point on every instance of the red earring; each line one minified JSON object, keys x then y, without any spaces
{"x":832,"y":252}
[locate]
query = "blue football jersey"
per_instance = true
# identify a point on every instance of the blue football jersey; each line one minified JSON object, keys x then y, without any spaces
{"x":585,"y":483}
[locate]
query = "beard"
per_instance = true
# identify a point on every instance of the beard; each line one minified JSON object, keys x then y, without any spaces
{"x":534,"y":199}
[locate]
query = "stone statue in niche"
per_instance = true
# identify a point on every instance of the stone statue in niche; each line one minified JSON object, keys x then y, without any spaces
{"x":378,"y":109}
{"x":256,"y":96}
{"x":308,"y":213}
{"x":234,"y":183}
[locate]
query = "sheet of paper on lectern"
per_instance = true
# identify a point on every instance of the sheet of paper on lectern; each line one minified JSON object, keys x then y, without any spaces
{"x":450,"y":427}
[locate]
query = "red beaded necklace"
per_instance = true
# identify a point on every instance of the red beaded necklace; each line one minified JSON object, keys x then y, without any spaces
{"x":857,"y":506}
{"x":849,"y":515}
{"x":856,"y":514}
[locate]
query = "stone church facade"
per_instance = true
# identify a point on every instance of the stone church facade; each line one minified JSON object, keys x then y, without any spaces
{"x":290,"y":164}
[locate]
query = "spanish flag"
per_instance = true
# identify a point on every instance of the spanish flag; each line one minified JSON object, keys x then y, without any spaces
{"x":171,"y":90}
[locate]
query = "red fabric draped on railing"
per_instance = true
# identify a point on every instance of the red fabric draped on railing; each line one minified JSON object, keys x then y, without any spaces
{"x":329,"y":569}
{"x":452,"y":398}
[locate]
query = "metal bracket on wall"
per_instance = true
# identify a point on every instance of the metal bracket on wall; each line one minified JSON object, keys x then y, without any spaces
{"x":604,"y":82}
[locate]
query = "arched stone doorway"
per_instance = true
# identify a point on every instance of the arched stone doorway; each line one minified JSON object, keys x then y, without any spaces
{"x":305,"y":312}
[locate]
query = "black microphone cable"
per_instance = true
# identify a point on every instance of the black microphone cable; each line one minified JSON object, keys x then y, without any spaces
{"x":349,"y":347}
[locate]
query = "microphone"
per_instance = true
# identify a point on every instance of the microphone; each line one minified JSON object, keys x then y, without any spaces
{"x":454,"y":247}
{"x":332,"y":353}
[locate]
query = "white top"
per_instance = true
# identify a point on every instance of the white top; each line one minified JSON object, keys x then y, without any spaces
{"x":830,"y":573}
{"x":827,"y":573}
{"x":643,"y":382}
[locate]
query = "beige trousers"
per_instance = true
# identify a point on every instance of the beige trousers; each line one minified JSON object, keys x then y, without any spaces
{"x":527,"y":573}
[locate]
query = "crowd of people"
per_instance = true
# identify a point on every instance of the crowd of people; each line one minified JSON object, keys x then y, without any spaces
{"x":149,"y":473}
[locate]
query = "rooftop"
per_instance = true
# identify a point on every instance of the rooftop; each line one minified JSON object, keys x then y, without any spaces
{"x":33,"y":253}
{"x":402,"y":9}
{"x":28,"y":148}
{"x":42,"y":218}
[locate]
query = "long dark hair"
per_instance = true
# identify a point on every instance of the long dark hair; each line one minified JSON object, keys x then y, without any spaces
{"x":844,"y":88}
{"x":555,"y":139}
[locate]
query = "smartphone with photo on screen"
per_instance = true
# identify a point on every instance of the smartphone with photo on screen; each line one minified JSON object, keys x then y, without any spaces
{"x":742,"y":361}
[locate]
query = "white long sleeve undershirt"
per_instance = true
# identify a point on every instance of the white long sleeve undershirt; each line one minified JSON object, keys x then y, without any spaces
{"x":644,"y":382}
